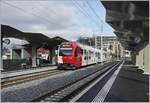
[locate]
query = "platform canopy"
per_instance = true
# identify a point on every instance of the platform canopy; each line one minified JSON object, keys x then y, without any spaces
{"x":32,"y":38}
{"x":130,"y":19}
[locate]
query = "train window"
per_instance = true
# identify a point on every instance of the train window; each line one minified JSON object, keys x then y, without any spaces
{"x":85,"y":58}
{"x":65,"y":52}
{"x":86,"y":54}
{"x":82,"y":51}
{"x":90,"y":54}
{"x":98,"y":55}
{"x":76,"y":52}
{"x":89,"y":57}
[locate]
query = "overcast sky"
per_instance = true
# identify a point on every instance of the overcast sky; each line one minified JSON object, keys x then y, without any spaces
{"x":69,"y":19}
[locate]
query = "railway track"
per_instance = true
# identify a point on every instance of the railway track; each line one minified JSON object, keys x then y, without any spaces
{"x":7,"y":82}
{"x":19,"y":79}
{"x":67,"y":91}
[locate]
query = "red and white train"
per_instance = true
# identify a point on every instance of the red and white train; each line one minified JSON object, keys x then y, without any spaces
{"x":75,"y":55}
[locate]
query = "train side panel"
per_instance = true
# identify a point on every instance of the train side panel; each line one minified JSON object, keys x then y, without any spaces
{"x":77,"y":55}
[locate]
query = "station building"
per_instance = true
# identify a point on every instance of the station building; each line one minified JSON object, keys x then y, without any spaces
{"x":39,"y":51}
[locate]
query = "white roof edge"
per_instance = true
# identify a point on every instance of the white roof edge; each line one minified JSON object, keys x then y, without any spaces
{"x":88,"y":47}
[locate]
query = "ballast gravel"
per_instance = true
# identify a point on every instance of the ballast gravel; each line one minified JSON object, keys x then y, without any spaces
{"x":26,"y":92}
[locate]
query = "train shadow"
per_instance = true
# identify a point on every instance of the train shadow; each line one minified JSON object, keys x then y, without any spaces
{"x":74,"y":68}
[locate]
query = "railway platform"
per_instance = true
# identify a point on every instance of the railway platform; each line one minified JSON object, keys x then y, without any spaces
{"x":117,"y":81}
{"x":130,"y":85}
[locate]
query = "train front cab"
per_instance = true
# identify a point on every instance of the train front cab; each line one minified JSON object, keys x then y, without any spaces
{"x":69,"y":58}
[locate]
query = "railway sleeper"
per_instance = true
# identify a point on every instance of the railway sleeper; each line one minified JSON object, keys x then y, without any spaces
{"x":62,"y":94}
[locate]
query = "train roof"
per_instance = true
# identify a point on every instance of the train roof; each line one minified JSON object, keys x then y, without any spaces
{"x":88,"y":47}
{"x":84,"y":46}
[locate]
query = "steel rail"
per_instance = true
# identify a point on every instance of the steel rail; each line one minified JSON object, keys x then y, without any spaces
{"x":29,"y":77}
{"x":60,"y":93}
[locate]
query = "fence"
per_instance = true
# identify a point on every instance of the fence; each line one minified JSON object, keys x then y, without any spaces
{"x":16,"y":64}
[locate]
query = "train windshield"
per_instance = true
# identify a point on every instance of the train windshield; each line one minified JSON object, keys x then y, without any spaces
{"x":65,"y":52}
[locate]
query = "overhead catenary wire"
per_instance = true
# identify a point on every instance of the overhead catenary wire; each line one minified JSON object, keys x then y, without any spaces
{"x":46,"y":19}
{"x":46,"y":9}
{"x":82,"y":11}
{"x":93,"y":10}
{"x":85,"y":13}
{"x":101,"y":29}
{"x":53,"y":11}
{"x":35,"y":15}
{"x":95,"y":15}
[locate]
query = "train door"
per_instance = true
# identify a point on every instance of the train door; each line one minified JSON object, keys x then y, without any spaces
{"x":59,"y":58}
{"x":83,"y":51}
{"x":96,"y":57}
{"x":92,"y":57}
{"x":87,"y":57}
{"x":99,"y":57}
{"x":78,"y":57}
